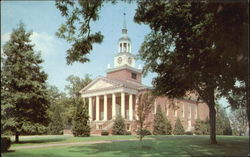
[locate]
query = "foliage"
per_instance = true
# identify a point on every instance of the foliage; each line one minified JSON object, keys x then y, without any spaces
{"x":144,"y":106}
{"x":143,"y":132}
{"x":239,"y":122}
{"x":76,"y":84}
{"x":161,"y":124}
{"x":56,"y":125}
{"x":188,"y":133}
{"x":104,"y":133}
{"x":55,"y":111}
{"x":81,"y":126}
{"x":119,"y":126}
{"x":79,"y":13}
{"x":5,"y":143}
{"x":223,"y":126}
{"x":128,"y":133}
{"x":24,"y":96}
{"x":201,"y":127}
{"x":196,"y":46}
{"x":178,"y":128}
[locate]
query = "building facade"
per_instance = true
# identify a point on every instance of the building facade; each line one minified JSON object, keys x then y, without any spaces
{"x":116,"y":94}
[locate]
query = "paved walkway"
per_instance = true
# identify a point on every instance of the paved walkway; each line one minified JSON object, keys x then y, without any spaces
{"x":71,"y":144}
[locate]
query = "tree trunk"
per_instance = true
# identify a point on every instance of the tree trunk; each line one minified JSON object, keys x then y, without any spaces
{"x":17,"y":137}
{"x":212,"y":119}
{"x":141,"y":131}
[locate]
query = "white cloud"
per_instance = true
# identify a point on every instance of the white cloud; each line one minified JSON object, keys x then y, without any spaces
{"x":43,"y":42}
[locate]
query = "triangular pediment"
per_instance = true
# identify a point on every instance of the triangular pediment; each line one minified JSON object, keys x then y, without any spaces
{"x":99,"y":85}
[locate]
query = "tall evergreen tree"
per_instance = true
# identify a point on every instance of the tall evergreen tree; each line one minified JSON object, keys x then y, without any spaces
{"x":23,"y":89}
{"x":161,"y":124}
{"x":178,"y":128}
{"x":81,"y":126}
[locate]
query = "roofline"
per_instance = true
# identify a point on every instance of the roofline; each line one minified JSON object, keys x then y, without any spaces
{"x":123,"y":67}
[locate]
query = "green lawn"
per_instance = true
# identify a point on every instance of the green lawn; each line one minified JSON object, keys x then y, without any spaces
{"x":26,"y":140}
{"x":159,"y":146}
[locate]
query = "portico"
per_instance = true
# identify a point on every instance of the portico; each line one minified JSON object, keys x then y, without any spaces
{"x":108,"y":106}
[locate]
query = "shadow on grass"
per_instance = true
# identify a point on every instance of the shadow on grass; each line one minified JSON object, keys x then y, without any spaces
{"x":35,"y":141}
{"x":166,"y":146}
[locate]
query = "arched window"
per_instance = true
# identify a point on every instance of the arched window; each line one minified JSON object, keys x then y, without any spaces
{"x":125,"y":47}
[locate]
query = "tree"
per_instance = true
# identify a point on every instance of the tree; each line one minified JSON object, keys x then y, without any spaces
{"x":76,"y":84}
{"x":81,"y":126}
{"x":239,"y":122}
{"x":201,"y":127}
{"x":196,"y":47}
{"x":73,"y":88}
{"x":161,"y":124}
{"x":56,"y":124}
{"x":144,"y":105}
{"x":178,"y":128}
{"x":223,"y":126}
{"x":119,"y":126}
{"x":23,"y":89}
{"x":56,"y":110}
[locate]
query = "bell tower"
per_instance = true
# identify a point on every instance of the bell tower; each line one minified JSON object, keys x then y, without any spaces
{"x":124,"y":60}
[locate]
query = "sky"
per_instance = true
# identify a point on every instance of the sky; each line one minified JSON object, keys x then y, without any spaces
{"x":43,"y":19}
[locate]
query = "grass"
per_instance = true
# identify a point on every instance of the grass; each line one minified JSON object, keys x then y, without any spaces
{"x":32,"y":140}
{"x":158,"y":146}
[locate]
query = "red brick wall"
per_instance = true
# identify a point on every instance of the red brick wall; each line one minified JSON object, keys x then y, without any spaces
{"x":124,"y":74}
{"x":167,"y":104}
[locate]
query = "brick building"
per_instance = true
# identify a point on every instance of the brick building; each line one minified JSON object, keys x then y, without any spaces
{"x":116,"y":94}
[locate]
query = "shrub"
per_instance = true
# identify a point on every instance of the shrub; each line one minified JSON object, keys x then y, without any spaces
{"x":178,"y":128}
{"x":189,"y":133}
{"x":127,"y":133}
{"x":201,"y":127}
{"x":5,"y":144}
{"x":145,"y":132}
{"x":104,"y":133}
{"x":119,"y":126}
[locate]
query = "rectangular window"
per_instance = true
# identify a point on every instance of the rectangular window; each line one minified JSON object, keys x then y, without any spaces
{"x":99,"y":126}
{"x":133,"y":75}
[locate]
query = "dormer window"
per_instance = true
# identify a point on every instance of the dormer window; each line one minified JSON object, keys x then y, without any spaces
{"x":133,"y":76}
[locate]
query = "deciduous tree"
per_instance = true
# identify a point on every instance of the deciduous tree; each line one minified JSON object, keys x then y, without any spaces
{"x":144,"y":106}
{"x":196,"y":46}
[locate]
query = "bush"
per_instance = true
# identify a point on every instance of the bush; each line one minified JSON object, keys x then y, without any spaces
{"x":5,"y":144}
{"x":127,"y":133}
{"x":178,"y":128}
{"x":104,"y":133}
{"x":189,"y":133}
{"x":201,"y":127}
{"x":145,"y":132}
{"x":119,"y":126}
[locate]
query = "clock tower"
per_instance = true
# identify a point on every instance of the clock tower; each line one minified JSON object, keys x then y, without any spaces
{"x":124,"y":60}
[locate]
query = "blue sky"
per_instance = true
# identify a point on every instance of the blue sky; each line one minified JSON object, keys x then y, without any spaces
{"x":43,"y":18}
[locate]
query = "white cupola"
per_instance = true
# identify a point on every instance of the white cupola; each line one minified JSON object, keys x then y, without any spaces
{"x":124,"y":56}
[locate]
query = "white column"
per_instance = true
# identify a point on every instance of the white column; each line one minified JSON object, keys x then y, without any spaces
{"x":113,"y":106}
{"x":123,"y":105}
{"x":97,"y":108}
{"x":183,"y":111}
{"x":130,"y":108}
{"x":105,"y":108}
{"x":90,"y":109}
